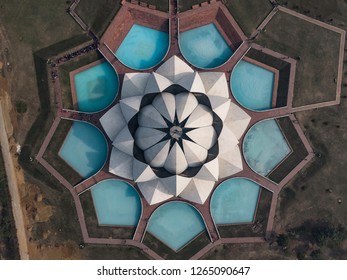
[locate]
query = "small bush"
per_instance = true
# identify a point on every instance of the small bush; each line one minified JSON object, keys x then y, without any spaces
{"x":282,"y":240}
{"x":327,"y":232}
{"x":21,"y":107}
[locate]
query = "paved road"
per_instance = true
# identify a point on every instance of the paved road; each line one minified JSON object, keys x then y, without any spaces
{"x":13,"y":187}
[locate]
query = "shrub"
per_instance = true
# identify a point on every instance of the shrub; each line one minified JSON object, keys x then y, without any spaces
{"x":21,"y":107}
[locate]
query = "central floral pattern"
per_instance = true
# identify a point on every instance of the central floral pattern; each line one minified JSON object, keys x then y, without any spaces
{"x":185,"y":132}
{"x":175,"y":132}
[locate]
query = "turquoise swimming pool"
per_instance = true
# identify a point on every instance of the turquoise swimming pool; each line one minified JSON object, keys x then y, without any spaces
{"x":204,"y":46}
{"x":176,"y":223}
{"x":235,"y":201}
{"x":143,"y":47}
{"x":96,"y":87}
{"x":84,"y":149}
{"x":116,"y":203}
{"x":264,"y":146}
{"x":252,"y":86}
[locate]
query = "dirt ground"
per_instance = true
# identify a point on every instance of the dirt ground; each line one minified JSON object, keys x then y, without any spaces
{"x":33,"y":201}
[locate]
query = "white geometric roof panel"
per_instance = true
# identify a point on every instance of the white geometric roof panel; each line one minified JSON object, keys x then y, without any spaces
{"x":133,"y":84}
{"x":112,"y":127}
{"x":165,"y":104}
{"x":185,"y":105}
{"x":174,"y":69}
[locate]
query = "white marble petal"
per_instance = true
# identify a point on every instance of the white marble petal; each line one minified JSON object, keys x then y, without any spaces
{"x":176,"y":162}
{"x":154,"y":191}
{"x":194,"y":153}
{"x":157,"y":83}
{"x":121,"y":164}
{"x":130,"y":106}
{"x":142,"y":172}
{"x":230,"y":162}
{"x":200,"y":117}
{"x":134,"y":84}
{"x":185,"y":105}
{"x":165,"y":104}
{"x":175,"y":184}
{"x":174,"y":69}
{"x":209,"y":171}
{"x":157,"y":154}
{"x":124,"y":141}
{"x":150,"y":117}
{"x":227,"y":140}
{"x":113,"y":121}
{"x":197,"y":190}
{"x":147,"y":137}
{"x":237,"y":120}
{"x":220,"y":105}
{"x":192,"y":83}
{"x":215,"y":84}
{"x":206,"y":136}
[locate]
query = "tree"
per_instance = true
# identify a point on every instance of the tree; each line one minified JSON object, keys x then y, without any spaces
{"x":322,"y":233}
{"x":282,"y":240}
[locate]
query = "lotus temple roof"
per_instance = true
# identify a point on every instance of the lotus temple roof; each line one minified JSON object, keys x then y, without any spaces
{"x":175,"y":132}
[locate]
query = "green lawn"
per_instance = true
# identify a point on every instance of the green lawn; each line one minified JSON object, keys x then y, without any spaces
{"x":161,"y":5}
{"x":36,"y":133}
{"x":65,"y":46}
{"x":313,"y":8}
{"x":316,"y":49}
{"x":98,"y":14}
{"x":187,"y":4}
{"x":249,"y":13}
{"x":37,"y":23}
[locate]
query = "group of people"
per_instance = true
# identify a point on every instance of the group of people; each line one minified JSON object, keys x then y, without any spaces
{"x":72,"y":55}
{"x":68,"y":57}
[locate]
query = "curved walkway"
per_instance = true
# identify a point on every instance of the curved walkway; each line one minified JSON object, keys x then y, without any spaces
{"x":13,"y":187}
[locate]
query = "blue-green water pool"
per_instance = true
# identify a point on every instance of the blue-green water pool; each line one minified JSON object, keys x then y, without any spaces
{"x":96,"y":87}
{"x":84,"y":149}
{"x":116,"y":203}
{"x":252,"y":86}
{"x":235,"y":201}
{"x":143,"y":47}
{"x":264,"y":146}
{"x":176,"y":223}
{"x":205,"y":47}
